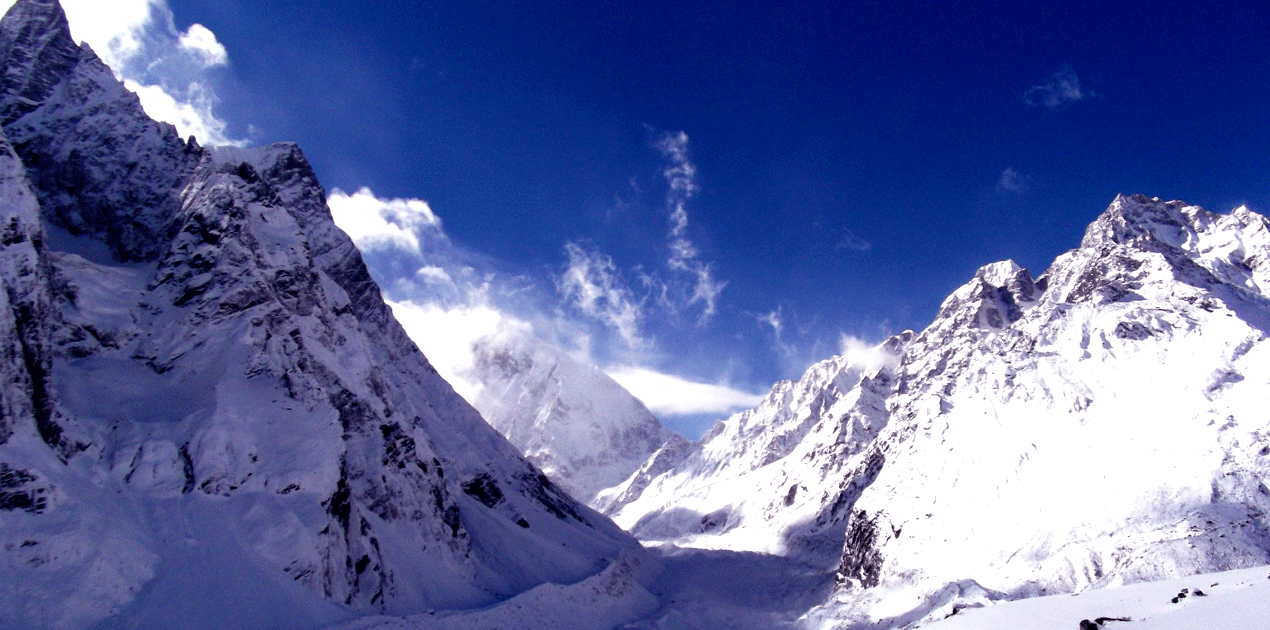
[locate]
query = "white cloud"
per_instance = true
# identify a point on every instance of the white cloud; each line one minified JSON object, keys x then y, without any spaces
{"x":671,"y":395}
{"x":434,"y":275}
{"x":774,"y":320}
{"x":1011,"y":181}
{"x":201,"y":42}
{"x":378,"y":224}
{"x":680,"y":173}
{"x":785,"y":352}
{"x":592,"y":283}
{"x":192,"y":116}
{"x":446,"y":336}
{"x":1061,"y":87}
{"x":138,"y":39}
{"x":444,"y":304}
{"x":115,"y":30}
{"x":865,"y":355}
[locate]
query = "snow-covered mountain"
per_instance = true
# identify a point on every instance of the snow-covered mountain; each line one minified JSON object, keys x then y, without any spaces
{"x":1102,"y":424}
{"x":774,"y":479}
{"x":209,"y":413}
{"x":569,"y":418}
{"x":1108,"y":426}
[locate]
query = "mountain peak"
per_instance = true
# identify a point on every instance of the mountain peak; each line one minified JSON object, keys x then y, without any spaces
{"x":36,"y":42}
{"x":38,"y":19}
{"x":998,"y":274}
{"x":993,"y":299}
{"x":68,"y":117}
{"x":1142,"y":221}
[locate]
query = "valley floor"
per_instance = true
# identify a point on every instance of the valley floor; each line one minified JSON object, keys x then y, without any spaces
{"x":670,"y":588}
{"x":694,"y":589}
{"x":707,"y":589}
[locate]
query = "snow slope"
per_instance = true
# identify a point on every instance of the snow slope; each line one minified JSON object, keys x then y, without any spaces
{"x":601,"y":602}
{"x":1231,"y":600}
{"x":209,"y":413}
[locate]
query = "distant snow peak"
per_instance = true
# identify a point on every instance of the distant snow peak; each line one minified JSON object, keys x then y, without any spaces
{"x":569,"y":418}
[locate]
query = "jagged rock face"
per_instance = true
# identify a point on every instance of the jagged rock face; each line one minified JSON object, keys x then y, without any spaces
{"x":25,"y":273}
{"x":100,"y":165}
{"x":1112,"y":431}
{"x":570,"y":419}
{"x":778,"y":478}
{"x":218,"y":413}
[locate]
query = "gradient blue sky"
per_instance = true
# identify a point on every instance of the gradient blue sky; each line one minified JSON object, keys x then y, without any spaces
{"x":848,"y":164}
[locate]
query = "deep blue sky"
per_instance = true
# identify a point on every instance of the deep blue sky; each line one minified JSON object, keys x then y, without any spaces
{"x":815,"y":129}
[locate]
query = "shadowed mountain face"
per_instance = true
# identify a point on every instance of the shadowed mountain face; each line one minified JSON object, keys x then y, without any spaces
{"x":208,"y":410}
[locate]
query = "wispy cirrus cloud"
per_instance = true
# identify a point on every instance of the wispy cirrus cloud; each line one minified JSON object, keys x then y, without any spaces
{"x":680,"y":174}
{"x":592,"y":283}
{"x":1013,"y":182}
{"x":624,"y":300}
{"x":851,"y":240}
{"x":1059,"y":88}
{"x":165,"y":67}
